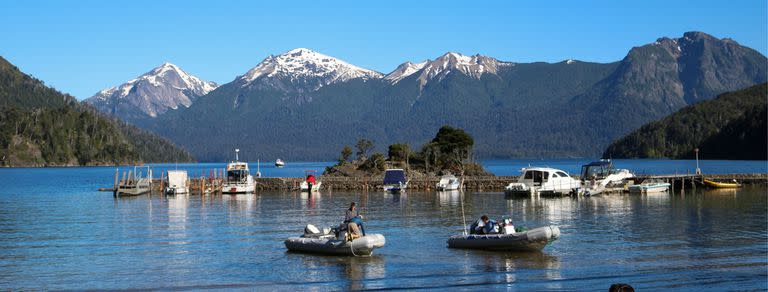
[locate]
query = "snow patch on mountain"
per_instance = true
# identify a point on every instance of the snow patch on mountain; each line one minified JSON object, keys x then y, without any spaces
{"x":472,"y":66}
{"x":305,"y":67}
{"x":155,"y":92}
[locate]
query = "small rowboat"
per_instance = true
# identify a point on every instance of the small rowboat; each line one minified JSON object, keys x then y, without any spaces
{"x":531,"y":240}
{"x":649,"y":187}
{"x":721,"y":185}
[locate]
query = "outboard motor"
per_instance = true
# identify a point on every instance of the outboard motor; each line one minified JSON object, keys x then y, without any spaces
{"x":311,"y":230}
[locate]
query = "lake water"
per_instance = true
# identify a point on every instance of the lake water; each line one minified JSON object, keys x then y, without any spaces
{"x":57,"y":232}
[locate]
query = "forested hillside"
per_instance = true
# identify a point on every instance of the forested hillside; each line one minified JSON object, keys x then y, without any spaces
{"x":731,"y":126}
{"x":40,"y":126}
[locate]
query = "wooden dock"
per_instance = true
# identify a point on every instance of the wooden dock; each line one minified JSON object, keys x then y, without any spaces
{"x":210,"y":182}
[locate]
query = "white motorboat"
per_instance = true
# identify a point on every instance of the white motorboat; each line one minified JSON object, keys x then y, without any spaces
{"x":598,"y":175}
{"x":448,"y":183}
{"x":310,"y":183}
{"x":279,"y":162}
{"x":136,"y":183}
{"x":650,"y":187}
{"x":329,"y":242}
{"x":239,"y":179}
{"x":395,"y":180}
{"x":178,"y":182}
{"x":542,"y":181}
{"x":531,"y":240}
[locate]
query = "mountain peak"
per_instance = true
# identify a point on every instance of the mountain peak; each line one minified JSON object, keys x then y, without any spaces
{"x":164,"y":87}
{"x":472,"y":66}
{"x":303,"y":66}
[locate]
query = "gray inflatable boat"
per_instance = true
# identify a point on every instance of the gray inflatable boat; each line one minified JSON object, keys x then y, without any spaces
{"x":326,"y":242}
{"x":531,"y":240}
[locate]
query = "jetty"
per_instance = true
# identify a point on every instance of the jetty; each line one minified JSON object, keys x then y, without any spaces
{"x":211,"y":181}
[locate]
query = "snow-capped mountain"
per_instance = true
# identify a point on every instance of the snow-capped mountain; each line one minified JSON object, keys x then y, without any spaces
{"x":164,"y":88}
{"x":302,"y":70}
{"x":473,"y":66}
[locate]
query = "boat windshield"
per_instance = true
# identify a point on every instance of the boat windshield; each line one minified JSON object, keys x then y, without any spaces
{"x":237,"y":175}
{"x":594,"y":171}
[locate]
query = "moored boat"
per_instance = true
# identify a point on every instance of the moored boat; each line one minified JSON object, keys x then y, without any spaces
{"x":310,"y":183}
{"x":330,"y":243}
{"x":239,"y":179}
{"x":543,"y":181}
{"x":448,"y":183}
{"x":395,"y":180}
{"x":531,"y":240}
{"x":598,"y":175}
{"x":137,"y":183}
{"x":721,"y":185}
{"x":649,"y":187}
{"x":279,"y":162}
{"x":178,"y":182}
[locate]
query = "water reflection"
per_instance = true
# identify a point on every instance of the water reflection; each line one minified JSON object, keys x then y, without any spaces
{"x":449,"y":198}
{"x":356,"y":271}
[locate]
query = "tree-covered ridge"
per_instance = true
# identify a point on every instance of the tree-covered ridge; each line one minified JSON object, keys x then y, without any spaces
{"x":40,"y":126}
{"x":731,"y":126}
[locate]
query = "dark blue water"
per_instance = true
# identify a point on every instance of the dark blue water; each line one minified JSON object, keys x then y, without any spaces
{"x":57,"y":232}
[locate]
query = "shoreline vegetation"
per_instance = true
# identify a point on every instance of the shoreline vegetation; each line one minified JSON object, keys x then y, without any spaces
{"x":40,"y":127}
{"x":449,"y":152}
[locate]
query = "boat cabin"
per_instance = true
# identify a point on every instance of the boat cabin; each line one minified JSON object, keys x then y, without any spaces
{"x":237,"y":171}
{"x":596,"y":170}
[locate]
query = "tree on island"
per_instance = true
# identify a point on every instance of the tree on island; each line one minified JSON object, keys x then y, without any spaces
{"x":345,"y":154}
{"x":399,"y":152}
{"x":363,"y":146}
{"x":448,"y":151}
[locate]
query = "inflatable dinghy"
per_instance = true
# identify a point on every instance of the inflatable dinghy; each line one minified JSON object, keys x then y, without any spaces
{"x":531,"y":240}
{"x":328,"y":242}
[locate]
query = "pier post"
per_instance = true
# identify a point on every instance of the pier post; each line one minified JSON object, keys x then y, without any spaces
{"x":117,"y":174}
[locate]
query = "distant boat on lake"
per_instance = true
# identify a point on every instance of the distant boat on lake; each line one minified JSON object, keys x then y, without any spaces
{"x":279,"y":162}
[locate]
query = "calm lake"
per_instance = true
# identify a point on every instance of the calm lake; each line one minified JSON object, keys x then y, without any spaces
{"x":58,"y":232}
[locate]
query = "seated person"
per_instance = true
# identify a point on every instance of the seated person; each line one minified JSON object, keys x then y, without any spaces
{"x":484,"y":226}
{"x":354,"y":221}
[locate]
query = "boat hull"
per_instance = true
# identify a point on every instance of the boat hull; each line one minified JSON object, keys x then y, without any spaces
{"x":719,"y":185}
{"x":532,"y":240}
{"x":646,"y":189}
{"x":363,"y":246}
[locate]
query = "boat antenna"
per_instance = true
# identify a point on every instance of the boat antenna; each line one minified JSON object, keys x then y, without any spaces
{"x":237,"y":158}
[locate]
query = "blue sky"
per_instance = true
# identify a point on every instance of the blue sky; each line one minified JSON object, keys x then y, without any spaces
{"x":81,"y":47}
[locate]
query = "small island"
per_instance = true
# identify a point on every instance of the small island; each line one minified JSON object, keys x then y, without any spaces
{"x":450,"y":152}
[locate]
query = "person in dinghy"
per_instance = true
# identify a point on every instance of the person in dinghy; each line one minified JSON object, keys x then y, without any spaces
{"x":485,"y":225}
{"x":353,"y":221}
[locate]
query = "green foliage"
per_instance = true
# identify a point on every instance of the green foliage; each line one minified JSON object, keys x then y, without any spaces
{"x":399,"y":152}
{"x":731,"y":126}
{"x":377,"y":162}
{"x":363,"y":146}
{"x":346,"y":153}
{"x":40,"y":126}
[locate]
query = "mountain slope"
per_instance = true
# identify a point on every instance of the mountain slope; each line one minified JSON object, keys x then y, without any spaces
{"x":164,"y":88}
{"x":300,"y":106}
{"x":42,"y":127}
{"x":731,"y":126}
